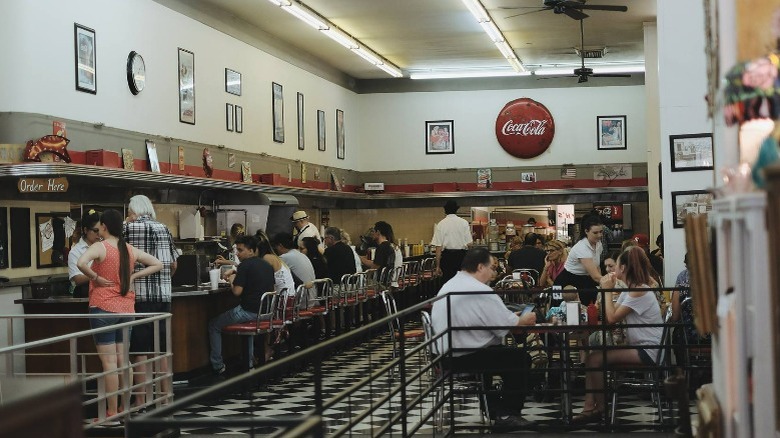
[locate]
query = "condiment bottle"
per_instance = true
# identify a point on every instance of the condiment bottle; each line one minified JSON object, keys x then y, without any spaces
{"x":593,"y":314}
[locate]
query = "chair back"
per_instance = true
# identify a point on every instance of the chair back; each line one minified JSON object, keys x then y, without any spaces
{"x":391,"y":309}
{"x":528,"y":276}
{"x":427,"y":326}
{"x":268,"y":306}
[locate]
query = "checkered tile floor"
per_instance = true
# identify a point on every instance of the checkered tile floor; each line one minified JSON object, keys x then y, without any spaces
{"x":294,"y":395}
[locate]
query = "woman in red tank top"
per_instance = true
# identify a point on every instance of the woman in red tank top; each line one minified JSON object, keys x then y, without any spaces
{"x":109,"y":293}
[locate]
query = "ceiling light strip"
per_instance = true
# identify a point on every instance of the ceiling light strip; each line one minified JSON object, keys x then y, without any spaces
{"x":315,"y":20}
{"x":483,"y":18}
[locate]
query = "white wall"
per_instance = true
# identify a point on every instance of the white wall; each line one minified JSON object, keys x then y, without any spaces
{"x":38,"y":76}
{"x":392,"y":127}
{"x":682,"y":81}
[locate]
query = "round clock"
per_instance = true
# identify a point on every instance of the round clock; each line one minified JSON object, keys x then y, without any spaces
{"x":136,"y":72}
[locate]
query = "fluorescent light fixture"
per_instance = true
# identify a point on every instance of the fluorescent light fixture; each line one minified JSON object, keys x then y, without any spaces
{"x":313,"y":19}
{"x":391,"y":70}
{"x":505,"y":50}
{"x":368,"y":56}
{"x":554,"y":71}
{"x":618,"y":69}
{"x":341,"y":38}
{"x":477,"y":10}
{"x":306,"y":16}
{"x":483,"y":18}
{"x":492,"y":31}
{"x":454,"y":74}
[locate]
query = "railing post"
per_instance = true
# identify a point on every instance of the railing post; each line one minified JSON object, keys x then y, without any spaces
{"x":9,"y":358}
{"x":72,"y":355}
{"x":402,"y":373}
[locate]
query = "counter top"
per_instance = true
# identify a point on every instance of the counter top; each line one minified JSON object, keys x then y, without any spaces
{"x":178,"y":292}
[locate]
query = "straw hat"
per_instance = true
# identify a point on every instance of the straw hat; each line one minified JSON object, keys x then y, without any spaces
{"x":298,"y":215}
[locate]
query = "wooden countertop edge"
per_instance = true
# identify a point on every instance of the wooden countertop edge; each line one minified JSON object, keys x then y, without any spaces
{"x":62,"y":300}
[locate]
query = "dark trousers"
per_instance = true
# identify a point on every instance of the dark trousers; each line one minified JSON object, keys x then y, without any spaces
{"x":511,"y":363}
{"x":451,"y":259}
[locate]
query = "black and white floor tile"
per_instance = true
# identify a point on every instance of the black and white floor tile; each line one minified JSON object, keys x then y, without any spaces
{"x":294,"y":395}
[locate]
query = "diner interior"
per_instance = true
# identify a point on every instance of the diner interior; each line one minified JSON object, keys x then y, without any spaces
{"x":530,"y":117}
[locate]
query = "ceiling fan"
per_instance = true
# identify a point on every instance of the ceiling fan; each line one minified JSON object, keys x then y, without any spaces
{"x":583,"y":73}
{"x":572,"y":8}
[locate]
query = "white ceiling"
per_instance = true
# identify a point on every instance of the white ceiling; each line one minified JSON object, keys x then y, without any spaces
{"x":418,"y":35}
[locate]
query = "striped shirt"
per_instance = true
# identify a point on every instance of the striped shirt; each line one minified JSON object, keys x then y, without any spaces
{"x":152,"y":237}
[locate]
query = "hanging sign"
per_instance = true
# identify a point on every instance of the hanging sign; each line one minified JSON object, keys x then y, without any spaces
{"x":525,"y":128}
{"x":42,"y":185}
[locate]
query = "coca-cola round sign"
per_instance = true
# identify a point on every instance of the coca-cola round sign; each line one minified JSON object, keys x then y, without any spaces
{"x":525,"y":128}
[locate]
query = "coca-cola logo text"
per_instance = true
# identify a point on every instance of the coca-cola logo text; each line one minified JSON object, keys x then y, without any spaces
{"x":531,"y":127}
{"x":525,"y":128}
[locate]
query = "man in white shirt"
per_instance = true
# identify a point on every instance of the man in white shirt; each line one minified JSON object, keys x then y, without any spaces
{"x":299,"y":263}
{"x":303,"y":228}
{"x":451,"y":237}
{"x":481,"y":351}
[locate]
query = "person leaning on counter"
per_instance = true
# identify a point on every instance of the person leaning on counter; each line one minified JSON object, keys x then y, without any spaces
{"x":487,"y":353}
{"x":89,"y":235}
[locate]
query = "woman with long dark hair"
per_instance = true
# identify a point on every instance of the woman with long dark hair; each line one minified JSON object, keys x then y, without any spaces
{"x":109,"y":266}
{"x":581,"y":269}
{"x":640,"y":308}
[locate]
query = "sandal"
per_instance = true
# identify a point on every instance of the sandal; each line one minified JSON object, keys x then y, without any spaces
{"x":588,"y":416}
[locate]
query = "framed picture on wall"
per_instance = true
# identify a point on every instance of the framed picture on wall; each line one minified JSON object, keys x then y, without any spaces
{"x":186,"y":86}
{"x":154,"y":162}
{"x":611,"y":132}
{"x":439,"y":137}
{"x":232,"y":82}
{"x":239,"y":119}
{"x":340,"y":136}
{"x":692,"y":202}
{"x":86,"y":59}
{"x":301,"y":141}
{"x":229,"y":116}
{"x":321,"y":130}
{"x":277,"y":102}
{"x":691,"y":152}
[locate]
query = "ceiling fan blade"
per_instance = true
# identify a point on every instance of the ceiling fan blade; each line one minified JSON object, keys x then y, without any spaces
{"x":575,"y":13}
{"x":526,"y":13}
{"x":602,"y":8}
{"x":523,"y":7}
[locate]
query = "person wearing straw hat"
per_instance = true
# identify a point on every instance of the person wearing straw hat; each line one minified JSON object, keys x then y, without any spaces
{"x":451,"y":237}
{"x":303,"y":228}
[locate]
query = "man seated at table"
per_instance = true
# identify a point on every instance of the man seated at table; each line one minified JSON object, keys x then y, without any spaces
{"x":484,"y":352}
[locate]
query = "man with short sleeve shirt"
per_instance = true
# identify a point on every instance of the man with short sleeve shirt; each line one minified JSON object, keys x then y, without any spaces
{"x":480,"y":351}
{"x":451,"y":237}
{"x":254,"y":277}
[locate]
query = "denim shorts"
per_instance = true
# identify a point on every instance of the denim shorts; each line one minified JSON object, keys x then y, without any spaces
{"x":107,"y":337}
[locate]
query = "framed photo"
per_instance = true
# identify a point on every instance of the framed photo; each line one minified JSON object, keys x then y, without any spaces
{"x":321,"y":130}
{"x":692,"y":202}
{"x":278,"y":112}
{"x":128,"y":163}
{"x":527,"y":177}
{"x":611,"y":132}
{"x":186,"y":86}
{"x":239,"y":119}
{"x":181,"y":158}
{"x":232,"y":82}
{"x":86,"y":59}
{"x":154,"y":163}
{"x":229,"y":116}
{"x":691,"y":152}
{"x":439,"y":137}
{"x":301,"y":141}
{"x":340,"y":140}
{"x":246,"y":172}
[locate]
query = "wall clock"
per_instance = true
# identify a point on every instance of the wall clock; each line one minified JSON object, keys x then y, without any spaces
{"x":136,"y":72}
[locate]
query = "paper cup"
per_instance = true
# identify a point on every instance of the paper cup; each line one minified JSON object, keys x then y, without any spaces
{"x":214,"y":277}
